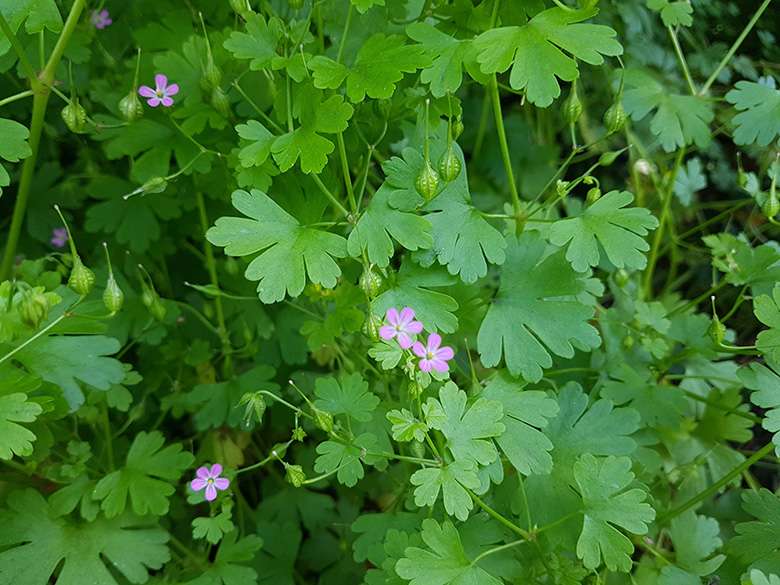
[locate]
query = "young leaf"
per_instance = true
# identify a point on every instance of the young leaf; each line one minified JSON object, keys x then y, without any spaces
{"x":389,"y":354}
{"x":467,"y":430}
{"x":527,"y":317}
{"x":16,"y":408}
{"x":258,"y":43}
{"x":138,"y":478}
{"x":757,"y":539}
{"x":290,"y":251}
{"x":534,"y":51}
{"x":524,"y":413}
{"x":618,"y":231}
{"x":446,"y":563}
{"x":39,"y":544}
{"x":759,"y":117}
{"x":767,"y":310}
{"x":446,"y":71}
{"x":673,"y":13}
{"x":695,"y":538}
{"x":765,"y":384}
{"x":364,"y":5}
{"x":226,"y":570}
{"x":743,"y":264}
{"x":349,"y":457}
{"x":453,"y":480}
{"x":349,"y":396}
{"x":405,"y":426}
{"x":689,"y":181}
{"x":213,"y":528}
{"x":607,"y":505}
{"x":260,"y":140}
{"x":381,"y":62}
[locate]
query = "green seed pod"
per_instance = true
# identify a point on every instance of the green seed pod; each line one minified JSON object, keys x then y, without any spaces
{"x":130,"y":107}
{"x":113,"y":297}
{"x":371,"y":282}
{"x":34,"y":307}
{"x":608,"y":158}
{"x":426,"y":183}
{"x":382,"y":108}
{"x":449,"y":165}
{"x":615,"y":117}
{"x":418,"y":449}
{"x":457,"y":127}
{"x":212,"y":74}
{"x":295,"y":4}
{"x":82,"y":279}
{"x":221,"y":102}
{"x":770,"y":207}
{"x":295,"y":475}
{"x":572,"y":107}
{"x":628,"y":342}
{"x":158,"y":310}
{"x":240,"y":6}
{"x":716,"y":330}
{"x":414,"y":389}
{"x":322,"y":420}
{"x":155,"y":185}
{"x":74,"y":115}
{"x":371,"y":327}
{"x":741,"y":176}
{"x":594,"y":195}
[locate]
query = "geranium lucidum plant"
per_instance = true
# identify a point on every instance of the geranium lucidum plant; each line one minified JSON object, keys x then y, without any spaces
{"x":462,"y":291}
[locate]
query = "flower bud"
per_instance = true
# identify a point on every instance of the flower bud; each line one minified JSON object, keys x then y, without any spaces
{"x":615,"y":117}
{"x":418,"y":449}
{"x":295,"y":475}
{"x":593,"y":195}
{"x":212,"y":74}
{"x":608,"y":158}
{"x":155,"y":185}
{"x":449,"y":165}
{"x":113,"y":297}
{"x":426,"y":182}
{"x":35,"y":304}
{"x":457,"y":127}
{"x":371,"y":282}
{"x":716,"y":330}
{"x":82,"y":279}
{"x":221,"y":102}
{"x":130,"y":107}
{"x":322,"y":420}
{"x":628,"y":342}
{"x":572,"y":107}
{"x":74,"y":115}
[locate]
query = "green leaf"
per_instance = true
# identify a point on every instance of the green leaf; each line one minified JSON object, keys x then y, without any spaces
{"x":466,"y":431}
{"x":259,"y":41}
{"x":453,"y":480}
{"x":261,"y":139}
{"x":52,"y":358}
{"x":14,"y":438}
{"x":607,"y":505}
{"x":379,"y":222}
{"x":695,"y":538}
{"x":389,"y":354}
{"x":364,"y":5}
{"x":526,"y":447}
{"x":213,"y":528}
{"x":39,"y":544}
{"x":290,"y":251}
{"x":760,"y":578}
{"x":348,"y":459}
{"x":671,"y":575}
{"x":767,"y":310}
{"x":605,"y":222}
{"x":690,"y":180}
{"x":528,"y":317}
{"x":410,"y":288}
{"x":372,"y":529}
{"x":445,"y":563}
{"x":380,"y":64}
{"x":765,"y":384}
{"x":349,"y":396}
{"x":743,"y":264}
{"x":759,"y":117}
{"x":14,"y":145}
{"x":673,"y":13}
{"x":36,"y":15}
{"x":535,"y":51}
{"x":679,"y":120}
{"x":138,"y":478}
{"x":406,"y":427}
{"x":448,"y":53}
{"x":755,"y":540}
{"x":226,"y":570}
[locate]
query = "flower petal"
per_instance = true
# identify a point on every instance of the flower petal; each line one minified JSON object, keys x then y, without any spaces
{"x":104,"y":13}
{"x":216,"y":470}
{"x":419,"y":349}
{"x":107,"y":22}
{"x":211,"y":492}
{"x":167,"y":101}
{"x":147,"y":91}
{"x":407,"y":315}
{"x":392,"y":316}
{"x":414,"y":327}
{"x":387,"y":332}
{"x":222,"y":483}
{"x":425,"y":365}
{"x":203,"y":472}
{"x":438,"y":365}
{"x":154,"y":102}
{"x":445,"y":353}
{"x":434,"y":341}
{"x":404,"y":340}
{"x":198,"y":484}
{"x":160,"y":81}
{"x":172,"y":89}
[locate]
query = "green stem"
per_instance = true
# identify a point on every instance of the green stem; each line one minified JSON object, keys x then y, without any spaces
{"x":758,"y":455}
{"x":211,"y":266}
{"x":511,"y":525}
{"x":681,"y":58}
{"x":263,"y":462}
{"x":734,"y":47}
{"x":40,"y":333}
{"x":287,"y":404}
{"x":345,"y":34}
{"x":109,"y":442}
{"x":345,"y":171}
{"x":751,"y":417}
{"x":504,"y":147}
{"x":278,"y":129}
{"x":15,"y":97}
{"x":497,"y":549}
{"x":330,"y":195}
{"x":187,"y":552}
{"x":28,"y":68}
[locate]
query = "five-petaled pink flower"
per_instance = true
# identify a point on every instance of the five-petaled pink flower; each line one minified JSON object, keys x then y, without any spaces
{"x":210,"y":480}
{"x":432,"y":355}
{"x":401,"y":325}
{"x":162,"y":92}
{"x":59,"y":237}
{"x":100,"y":19}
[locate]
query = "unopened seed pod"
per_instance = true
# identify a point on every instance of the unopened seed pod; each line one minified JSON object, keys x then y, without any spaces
{"x":221,"y":102}
{"x":322,"y":420}
{"x":457,"y":127}
{"x":716,"y":330}
{"x":155,"y":185}
{"x":608,"y":158}
{"x":594,"y":194}
{"x":418,"y":449}
{"x":131,"y":108}
{"x":449,"y":165}
{"x":615,"y":117}
{"x":572,"y":107}
{"x":158,"y":310}
{"x":240,"y":6}
{"x":295,"y":475}
{"x":770,"y":207}
{"x":371,"y":282}
{"x":74,"y":115}
{"x":34,"y":307}
{"x":382,"y":108}
{"x":426,"y":182}
{"x":212,"y":73}
{"x":82,"y":279}
{"x":113,"y":297}
{"x":371,"y":327}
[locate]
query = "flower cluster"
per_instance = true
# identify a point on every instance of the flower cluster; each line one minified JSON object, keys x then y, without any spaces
{"x":402,"y":325}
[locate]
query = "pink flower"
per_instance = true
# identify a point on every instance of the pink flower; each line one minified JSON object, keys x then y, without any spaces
{"x":210,"y":480}
{"x":433,"y":355}
{"x":100,"y":19}
{"x":401,"y":325}
{"x":59,"y":237}
{"x":162,"y":92}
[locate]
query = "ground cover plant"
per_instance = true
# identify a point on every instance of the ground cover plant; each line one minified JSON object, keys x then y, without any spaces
{"x":389,"y":291}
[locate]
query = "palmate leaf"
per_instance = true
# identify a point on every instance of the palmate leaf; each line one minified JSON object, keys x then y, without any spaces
{"x":39,"y":543}
{"x":452,"y":480}
{"x":526,"y":318}
{"x":380,"y":64}
{"x":16,"y":408}
{"x":349,"y":396}
{"x":290,"y":251}
{"x":767,"y":310}
{"x":259,"y":41}
{"x":347,"y":458}
{"x":226,"y":568}
{"x":14,"y":145}
{"x":758,"y":267}
{"x":696,"y":538}
{"x":765,"y":384}
{"x":138,"y":479}
{"x":445,"y":563}
{"x":525,"y":412}
{"x":618,"y":230}
{"x":446,"y":71}
{"x":35,"y":14}
{"x":759,"y":117}
{"x":364,"y":5}
{"x":535,"y":51}
{"x":760,"y":538}
{"x":679,"y":120}
{"x":602,"y":485}
{"x":674,"y":12}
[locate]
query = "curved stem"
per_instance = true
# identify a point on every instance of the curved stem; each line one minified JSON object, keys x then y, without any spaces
{"x":511,"y":525}
{"x":681,"y":58}
{"x":504,"y":147}
{"x":17,"y":46}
